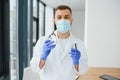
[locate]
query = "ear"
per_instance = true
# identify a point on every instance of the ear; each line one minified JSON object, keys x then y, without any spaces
{"x":71,"y":21}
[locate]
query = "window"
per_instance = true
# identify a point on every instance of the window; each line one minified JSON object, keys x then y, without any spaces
{"x":42,"y":19}
{"x":35,"y":21}
{"x":46,"y":20}
{"x":15,"y":37}
{"x":13,"y":41}
{"x":4,"y":40}
{"x":34,"y":31}
{"x":20,"y":41}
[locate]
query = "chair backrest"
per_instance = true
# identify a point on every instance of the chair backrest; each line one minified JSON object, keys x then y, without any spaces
{"x":30,"y":75}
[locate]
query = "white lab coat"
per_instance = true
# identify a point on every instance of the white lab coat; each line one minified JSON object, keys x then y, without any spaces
{"x":59,"y":67}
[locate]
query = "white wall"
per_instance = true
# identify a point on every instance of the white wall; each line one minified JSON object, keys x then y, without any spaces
{"x":78,"y":24}
{"x":102,"y":32}
{"x":49,"y":21}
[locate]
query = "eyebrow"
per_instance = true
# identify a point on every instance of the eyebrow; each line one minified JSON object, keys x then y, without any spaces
{"x":65,"y":15}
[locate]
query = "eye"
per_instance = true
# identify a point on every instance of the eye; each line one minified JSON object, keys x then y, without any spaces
{"x":67,"y":17}
{"x":59,"y":17}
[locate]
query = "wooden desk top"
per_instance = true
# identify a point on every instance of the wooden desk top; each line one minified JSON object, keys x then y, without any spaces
{"x":94,"y":73}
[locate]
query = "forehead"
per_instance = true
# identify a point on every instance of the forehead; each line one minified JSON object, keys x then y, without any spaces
{"x":62,"y":12}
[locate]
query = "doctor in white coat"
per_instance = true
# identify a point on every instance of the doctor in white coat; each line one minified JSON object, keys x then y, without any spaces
{"x":60,"y":56}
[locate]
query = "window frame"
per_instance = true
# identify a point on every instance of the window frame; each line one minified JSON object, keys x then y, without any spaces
{"x":4,"y":39}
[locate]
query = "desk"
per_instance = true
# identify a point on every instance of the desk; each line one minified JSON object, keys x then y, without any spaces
{"x":94,"y":73}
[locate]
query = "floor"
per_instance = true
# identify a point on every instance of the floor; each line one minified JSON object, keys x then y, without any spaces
{"x":95,"y":72}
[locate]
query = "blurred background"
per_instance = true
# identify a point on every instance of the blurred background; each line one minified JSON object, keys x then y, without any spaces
{"x":23,"y":22}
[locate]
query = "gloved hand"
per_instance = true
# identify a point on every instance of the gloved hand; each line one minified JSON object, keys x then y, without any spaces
{"x":75,"y":55}
{"x":48,"y":45}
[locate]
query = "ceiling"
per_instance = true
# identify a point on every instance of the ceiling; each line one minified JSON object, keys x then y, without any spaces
{"x":74,"y":4}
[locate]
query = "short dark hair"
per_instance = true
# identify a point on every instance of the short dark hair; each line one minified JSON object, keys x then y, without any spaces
{"x":63,"y":7}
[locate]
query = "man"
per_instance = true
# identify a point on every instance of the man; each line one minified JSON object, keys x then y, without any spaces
{"x":61,"y":56}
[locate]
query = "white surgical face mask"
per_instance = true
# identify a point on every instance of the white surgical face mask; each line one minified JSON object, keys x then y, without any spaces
{"x":63,"y":26}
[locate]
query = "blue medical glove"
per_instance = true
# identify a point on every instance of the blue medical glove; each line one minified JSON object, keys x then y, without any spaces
{"x":48,"y":45}
{"x":75,"y":55}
